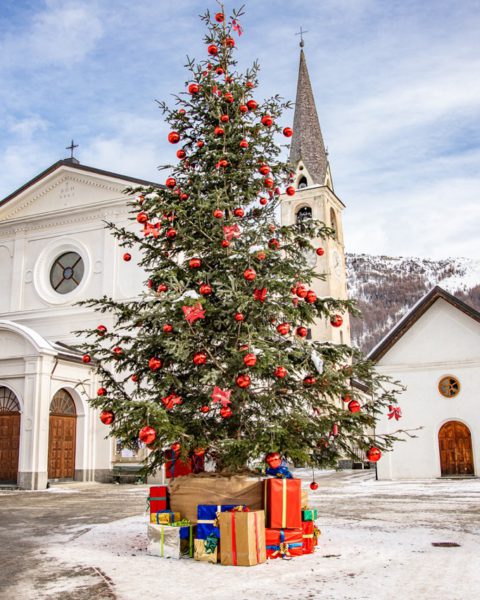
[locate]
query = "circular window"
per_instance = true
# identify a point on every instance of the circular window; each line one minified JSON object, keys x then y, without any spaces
{"x":449,"y":386}
{"x":67,"y":272}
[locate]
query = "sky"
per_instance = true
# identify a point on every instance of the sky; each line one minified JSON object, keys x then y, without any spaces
{"x":397,"y":88}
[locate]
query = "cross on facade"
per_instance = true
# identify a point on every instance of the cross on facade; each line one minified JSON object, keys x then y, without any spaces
{"x":300,"y":33}
{"x":71,"y":148}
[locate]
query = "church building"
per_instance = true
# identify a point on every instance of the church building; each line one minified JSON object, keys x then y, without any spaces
{"x":56,"y":251}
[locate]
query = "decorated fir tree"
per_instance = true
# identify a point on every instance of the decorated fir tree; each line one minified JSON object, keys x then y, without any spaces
{"x":213,"y":357}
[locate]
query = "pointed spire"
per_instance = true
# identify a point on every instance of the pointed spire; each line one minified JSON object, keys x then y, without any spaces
{"x":307,"y":141}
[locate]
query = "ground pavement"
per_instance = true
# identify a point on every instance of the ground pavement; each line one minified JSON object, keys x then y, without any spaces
{"x":88,"y":542}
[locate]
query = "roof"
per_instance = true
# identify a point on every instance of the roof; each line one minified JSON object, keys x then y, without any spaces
{"x":74,"y":164}
{"x":419,"y":309}
{"x":307,"y":141}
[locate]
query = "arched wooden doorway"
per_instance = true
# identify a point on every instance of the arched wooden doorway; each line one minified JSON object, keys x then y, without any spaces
{"x":61,"y":438}
{"x":9,"y":435}
{"x":455,"y":443}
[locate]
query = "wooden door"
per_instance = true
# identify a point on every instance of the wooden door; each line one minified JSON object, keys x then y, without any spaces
{"x":9,"y":446}
{"x":456,"y":456}
{"x":61,"y":447}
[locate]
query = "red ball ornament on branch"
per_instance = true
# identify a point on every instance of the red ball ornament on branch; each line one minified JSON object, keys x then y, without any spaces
{"x":134,"y":378}
{"x":181,"y":154}
{"x":264,"y":169}
{"x":229,"y":42}
{"x":302,"y":331}
{"x":195,"y":263}
{"x":205,"y":289}
{"x":243,"y":108}
{"x":309,"y":380}
{"x":167,"y":328}
{"x":346,"y":398}
{"x":199,"y":358}
{"x":127,"y":257}
{"x":243,"y":144}
{"x":280,"y":372}
{"x":171,"y":233}
{"x":354,"y":406}
{"x":142,"y":217}
{"x":268,"y":182}
{"x":249,"y":274}
{"x":290,"y":191}
{"x":283,"y":328}
{"x":218,"y":131}
{"x":225,"y":412}
{"x":314,"y":485}
{"x":162,"y":288}
{"x":212,"y":50}
{"x":288,"y":132}
{"x":273,"y":460}
{"x":218,"y":214}
{"x":200,"y":144}
{"x":320,"y":251}
{"x":263,"y":201}
{"x":170,"y":182}
{"x":374,"y":454}
{"x":239,"y":212}
{"x":261,"y":256}
{"x":183,"y":196}
{"x":204,"y":409}
{"x":155,"y":363}
{"x":336,"y":321}
{"x":229,"y":97}
{"x":250,"y":359}
{"x":224,"y":118}
{"x":193,"y":88}
{"x":117,"y":351}
{"x":147,"y":435}
{"x":174,"y":137}
{"x":225,"y":243}
{"x":267,"y":120}
{"x":311,"y":297}
{"x":252,"y":105}
{"x":239,"y":317}
{"x":107,"y":417}
{"x":249,"y":85}
{"x":101,"y":391}
{"x":102,"y":330}
{"x":243,"y":381}
{"x":219,"y":71}
{"x":274,"y":244}
{"x":220,"y":17}
{"x":86,"y":358}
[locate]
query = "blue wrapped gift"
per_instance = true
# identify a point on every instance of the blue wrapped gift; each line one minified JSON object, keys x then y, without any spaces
{"x":207,"y":519}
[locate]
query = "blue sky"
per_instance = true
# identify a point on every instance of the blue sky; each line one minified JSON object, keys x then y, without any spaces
{"x":396,"y":82}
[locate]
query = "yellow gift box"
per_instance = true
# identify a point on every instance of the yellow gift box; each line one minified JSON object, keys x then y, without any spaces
{"x":164,"y":517}
{"x":201,"y":554}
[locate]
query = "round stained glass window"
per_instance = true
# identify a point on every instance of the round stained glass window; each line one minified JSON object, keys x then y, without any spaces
{"x":67,"y":272}
{"x":449,"y":386}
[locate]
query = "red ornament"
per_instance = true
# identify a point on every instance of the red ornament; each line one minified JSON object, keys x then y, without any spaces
{"x":200,"y":144}
{"x":229,"y":97}
{"x":230,"y":42}
{"x":260,"y":294}
{"x":252,"y":105}
{"x":167,"y":328}
{"x":142,"y":217}
{"x":102,"y":330}
{"x":218,"y":214}
{"x":134,"y":378}
{"x":311,"y":297}
{"x":239,"y":317}
{"x":263,"y":201}
{"x":204,"y":409}
{"x":170,"y":182}
{"x":268,"y":182}
{"x":243,"y":108}
{"x":155,"y":363}
{"x":212,"y":50}
{"x":295,"y":301}
{"x":243,"y":144}
{"x":249,"y":274}
{"x":86,"y":358}
{"x":218,"y":131}
{"x":264,"y":169}
{"x":147,"y":435}
{"x":243,"y":381}
{"x":274,"y":244}
{"x":336,"y":321}
{"x":205,"y":289}
{"x":225,"y":243}
{"x":301,"y":291}
{"x":174,"y":137}
{"x":280,"y":372}
{"x":249,"y":85}
{"x":250,"y":359}
{"x":171,"y":233}
{"x":288,"y":132}
{"x":302,"y":332}
{"x":117,"y":351}
{"x":273,"y":460}
{"x":162,"y":288}
{"x":182,"y":112}
{"x":309,"y":380}
{"x":290,"y":191}
{"x":314,"y":485}
{"x":193,"y":88}
{"x":219,"y":71}
{"x":226,"y":412}
{"x":101,"y":391}
{"x":346,"y":398}
{"x":195,"y":263}
{"x":335,"y":430}
{"x":261,"y":256}
{"x":183,"y":196}
{"x":239,"y":212}
{"x":320,"y":251}
{"x":374,"y":454}
{"x":127,"y":257}
{"x":199,"y":358}
{"x":267,"y":120}
{"x":224,"y":118}
{"x":219,"y":17}
{"x":354,"y":406}
{"x":222,"y":163}
{"x":283,"y":328}
{"x":107,"y":417}
{"x":181,"y":154}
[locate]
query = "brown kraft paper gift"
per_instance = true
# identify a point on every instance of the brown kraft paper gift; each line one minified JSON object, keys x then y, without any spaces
{"x":186,"y":493}
{"x":243,"y":538}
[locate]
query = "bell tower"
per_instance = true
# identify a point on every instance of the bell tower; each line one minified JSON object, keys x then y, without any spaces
{"x":315,"y":199}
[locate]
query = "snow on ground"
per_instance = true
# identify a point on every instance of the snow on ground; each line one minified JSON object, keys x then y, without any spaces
{"x":376,"y":544}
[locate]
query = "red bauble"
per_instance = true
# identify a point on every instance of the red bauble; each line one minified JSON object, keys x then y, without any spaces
{"x":268,"y":182}
{"x":288,"y":132}
{"x":273,"y":460}
{"x":283,"y":328}
{"x":200,"y":144}
{"x":142,"y":217}
{"x":101,"y":391}
{"x":182,"y":112}
{"x":274,"y":244}
{"x":314,"y":485}
{"x":193,"y":88}
{"x":252,"y":105}
{"x":261,"y":256}
{"x":295,"y":301}
{"x":117,"y":351}
{"x":311,"y":297}
{"x":243,"y":381}
{"x":290,"y":191}
{"x":224,"y":118}
{"x":219,"y":71}
{"x":162,"y":288}
{"x":374,"y":454}
{"x":225,"y":243}
{"x":134,"y":378}
{"x":229,"y":97}
{"x":250,"y":359}
{"x":239,"y":212}
{"x":218,"y":131}
{"x":249,"y":274}
{"x":267,"y":120}
{"x":243,"y":144}
{"x":229,"y":42}
{"x":280,"y":372}
{"x":147,"y":435}
{"x":346,"y":398}
{"x":199,"y":358}
{"x":239,"y":317}
{"x":264,"y":169}
{"x":86,"y":358}
{"x":222,"y":163}
{"x":320,"y":251}
{"x":218,"y":214}
{"x":309,"y":380}
{"x":194,"y":263}
{"x":102,"y":330}
{"x":204,"y":409}
{"x":226,"y":412}
{"x":336,"y":321}
{"x":243,"y":108}
{"x":174,"y":137}
{"x":205,"y":289}
{"x":183,"y":196}
{"x":171,"y":233}
{"x":335,"y":430}
{"x":249,"y":85}
{"x":301,"y":291}
{"x":212,"y":50}
{"x":167,"y":328}
{"x":181,"y":154}
{"x":219,"y":17}
{"x":127,"y":257}
{"x":263,"y":201}
{"x":107,"y":417}
{"x":302,"y":332}
{"x":170,"y":182}
{"x":155,"y":363}
{"x":354,"y":406}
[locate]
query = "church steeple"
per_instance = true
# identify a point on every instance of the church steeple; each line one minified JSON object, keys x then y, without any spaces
{"x":307,"y":142}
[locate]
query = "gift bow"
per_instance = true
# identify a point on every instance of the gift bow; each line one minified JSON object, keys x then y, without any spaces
{"x":240,"y":508}
{"x":150,"y":228}
{"x":210,"y":544}
{"x":237,"y":27}
{"x":222,"y":396}
{"x":316,"y":532}
{"x":231,"y":231}
{"x":395,"y":412}
{"x":170,"y":401}
{"x":260,"y":294}
{"x":193,"y":313}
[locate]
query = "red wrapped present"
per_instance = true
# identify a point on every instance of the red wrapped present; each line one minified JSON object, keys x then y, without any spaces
{"x":174,"y":466}
{"x":308,"y":536}
{"x":284,"y":543}
{"x":283,"y":503}
{"x":158,"y":498}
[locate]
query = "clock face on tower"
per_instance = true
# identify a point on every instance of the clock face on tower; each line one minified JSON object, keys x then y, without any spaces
{"x":336,"y":263}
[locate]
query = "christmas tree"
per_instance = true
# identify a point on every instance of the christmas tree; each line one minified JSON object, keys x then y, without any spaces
{"x":213,"y":357}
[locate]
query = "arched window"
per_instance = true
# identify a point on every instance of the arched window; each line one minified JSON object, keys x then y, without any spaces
{"x":8,"y":401}
{"x":303,"y":214}
{"x":62,"y":404}
{"x":302,"y":182}
{"x":333,"y":222}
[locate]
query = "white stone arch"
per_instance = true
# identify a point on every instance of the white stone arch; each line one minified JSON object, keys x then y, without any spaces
{"x":39,"y":343}
{"x":472,"y":439}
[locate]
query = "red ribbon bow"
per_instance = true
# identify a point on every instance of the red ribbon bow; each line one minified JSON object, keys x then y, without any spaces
{"x":231,"y":231}
{"x":395,"y":412}
{"x":193,"y":313}
{"x":260,"y":294}
{"x":151,"y":228}
{"x":237,"y":27}
{"x":170,"y":401}
{"x":222,"y":396}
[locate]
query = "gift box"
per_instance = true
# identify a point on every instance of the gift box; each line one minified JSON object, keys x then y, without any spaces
{"x":170,"y":541}
{"x":284,"y":543}
{"x":304,"y":498}
{"x":283,"y":503}
{"x":206,"y":550}
{"x":243,"y":538}
{"x":174,"y":466}
{"x":164,"y":517}
{"x":207,"y":523}
{"x":316,"y":535}
{"x":309,"y":514}
{"x":308,"y":537}
{"x":158,"y":498}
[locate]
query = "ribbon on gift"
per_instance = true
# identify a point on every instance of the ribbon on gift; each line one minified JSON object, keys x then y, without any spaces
{"x":283,"y":548}
{"x":186,"y":523}
{"x":316,"y":532}
{"x":149,"y":498}
{"x":239,"y":508}
{"x":210,"y":543}
{"x":234,"y":537}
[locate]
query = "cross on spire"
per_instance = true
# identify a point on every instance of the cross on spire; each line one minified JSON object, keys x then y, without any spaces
{"x":300,"y":33}
{"x":72,"y":148}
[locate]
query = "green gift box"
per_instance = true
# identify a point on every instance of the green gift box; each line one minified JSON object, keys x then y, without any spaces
{"x":309,"y":514}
